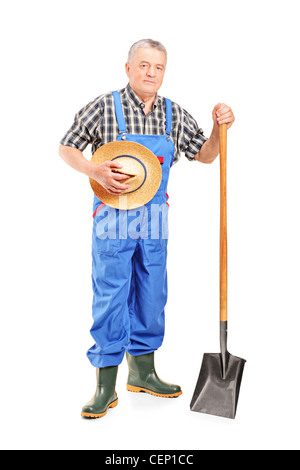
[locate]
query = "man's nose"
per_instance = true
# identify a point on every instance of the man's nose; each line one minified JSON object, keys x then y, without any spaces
{"x":151,"y":72}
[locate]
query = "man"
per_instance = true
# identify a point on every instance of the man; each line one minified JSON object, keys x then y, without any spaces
{"x":129,"y":276}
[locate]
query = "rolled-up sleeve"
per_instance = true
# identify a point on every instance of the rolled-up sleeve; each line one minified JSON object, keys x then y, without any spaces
{"x":85,"y":128}
{"x":192,"y":137}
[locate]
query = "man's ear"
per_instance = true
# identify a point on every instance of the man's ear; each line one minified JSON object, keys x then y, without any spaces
{"x":127,"y":69}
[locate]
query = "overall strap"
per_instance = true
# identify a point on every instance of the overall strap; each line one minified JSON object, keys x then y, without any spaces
{"x":121,"y":120}
{"x":119,"y":113}
{"x":168,"y":116}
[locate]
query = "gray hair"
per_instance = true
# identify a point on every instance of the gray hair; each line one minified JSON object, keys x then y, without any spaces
{"x":145,"y":43}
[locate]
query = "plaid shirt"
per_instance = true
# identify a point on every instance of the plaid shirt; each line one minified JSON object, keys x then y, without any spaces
{"x":96,"y":124}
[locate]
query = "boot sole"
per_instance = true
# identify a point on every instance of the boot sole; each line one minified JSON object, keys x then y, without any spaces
{"x":132,"y":388}
{"x":91,"y":415}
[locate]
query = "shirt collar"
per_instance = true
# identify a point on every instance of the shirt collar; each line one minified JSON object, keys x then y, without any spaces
{"x":135,"y":101}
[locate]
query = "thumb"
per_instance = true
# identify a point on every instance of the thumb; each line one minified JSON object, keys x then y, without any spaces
{"x":217,"y":107}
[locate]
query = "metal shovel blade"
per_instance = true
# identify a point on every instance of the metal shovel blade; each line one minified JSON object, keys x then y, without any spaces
{"x":217,"y":390}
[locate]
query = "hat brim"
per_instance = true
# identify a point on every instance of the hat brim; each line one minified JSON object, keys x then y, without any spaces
{"x":150,"y":186}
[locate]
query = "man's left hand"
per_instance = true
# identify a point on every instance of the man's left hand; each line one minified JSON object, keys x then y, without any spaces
{"x":222,"y":114}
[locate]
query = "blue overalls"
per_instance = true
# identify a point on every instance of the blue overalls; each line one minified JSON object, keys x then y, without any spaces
{"x":129,"y":272}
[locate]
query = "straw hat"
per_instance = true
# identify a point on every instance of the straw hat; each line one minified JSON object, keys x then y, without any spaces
{"x":139,"y":163}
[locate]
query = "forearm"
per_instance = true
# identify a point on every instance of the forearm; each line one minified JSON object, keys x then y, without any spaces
{"x":210,"y":149}
{"x":75,"y":159}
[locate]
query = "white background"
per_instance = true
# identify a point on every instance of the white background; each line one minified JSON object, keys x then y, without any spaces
{"x":58,"y":56}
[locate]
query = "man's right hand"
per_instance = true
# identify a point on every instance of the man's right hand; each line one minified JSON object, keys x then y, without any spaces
{"x":102,"y":173}
{"x":110,"y":181}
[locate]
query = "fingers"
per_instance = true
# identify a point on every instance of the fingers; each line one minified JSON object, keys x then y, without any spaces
{"x":118,"y":188}
{"x":110,"y":180}
{"x":115,"y":187}
{"x":222,"y":109}
{"x":112,"y":164}
{"x":114,"y":192}
{"x":225,"y":118}
{"x":111,"y":189}
{"x":120,"y":177}
{"x":222,"y":114}
{"x":115,"y":182}
{"x":219,"y":106}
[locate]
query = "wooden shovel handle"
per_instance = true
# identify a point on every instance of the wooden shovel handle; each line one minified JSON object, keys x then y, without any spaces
{"x":223,"y":223}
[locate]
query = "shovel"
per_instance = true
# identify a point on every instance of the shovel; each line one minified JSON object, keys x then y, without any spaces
{"x":218,"y":386}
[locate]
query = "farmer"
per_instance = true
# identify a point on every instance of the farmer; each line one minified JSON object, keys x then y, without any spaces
{"x":129,"y":274}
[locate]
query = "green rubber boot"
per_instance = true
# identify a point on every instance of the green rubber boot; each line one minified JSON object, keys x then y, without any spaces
{"x":143,"y":378}
{"x":105,"y":396}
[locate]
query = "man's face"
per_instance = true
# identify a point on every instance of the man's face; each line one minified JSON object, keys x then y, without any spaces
{"x":146,"y":71}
